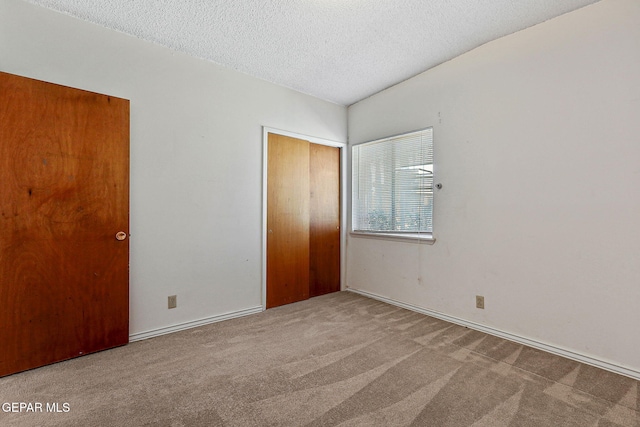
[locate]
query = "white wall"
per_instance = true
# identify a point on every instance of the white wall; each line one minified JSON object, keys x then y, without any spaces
{"x":537,"y":145}
{"x":196,"y":156}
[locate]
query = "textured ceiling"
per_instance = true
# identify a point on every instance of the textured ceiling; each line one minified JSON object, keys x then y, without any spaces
{"x":338,"y":50}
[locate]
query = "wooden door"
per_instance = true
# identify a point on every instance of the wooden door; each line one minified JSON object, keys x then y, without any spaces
{"x":64,"y":194}
{"x":324,"y":232}
{"x":287,"y":220}
{"x":303,"y":220}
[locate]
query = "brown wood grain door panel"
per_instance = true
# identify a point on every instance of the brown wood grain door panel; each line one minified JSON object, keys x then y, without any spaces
{"x":324,"y":232}
{"x":303,"y":220}
{"x":287,"y":220}
{"x":64,"y":194}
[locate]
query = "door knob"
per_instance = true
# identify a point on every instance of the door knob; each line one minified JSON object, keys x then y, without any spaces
{"x":121,"y":235}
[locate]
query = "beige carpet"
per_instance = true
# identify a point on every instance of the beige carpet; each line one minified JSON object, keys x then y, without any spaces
{"x":341,"y":359}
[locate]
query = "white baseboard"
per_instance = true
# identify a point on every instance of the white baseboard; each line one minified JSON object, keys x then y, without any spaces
{"x":632,"y":373}
{"x":193,"y":324}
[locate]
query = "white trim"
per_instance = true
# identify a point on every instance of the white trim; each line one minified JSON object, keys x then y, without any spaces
{"x":266,"y":130}
{"x":425,"y":238}
{"x":343,"y":199}
{"x":193,"y":324}
{"x":569,"y":354}
{"x":387,"y":138}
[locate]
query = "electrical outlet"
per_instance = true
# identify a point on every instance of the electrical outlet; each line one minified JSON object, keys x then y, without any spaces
{"x":173,"y":301}
{"x":479,"y":302}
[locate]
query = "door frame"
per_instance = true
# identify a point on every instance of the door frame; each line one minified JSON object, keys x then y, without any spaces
{"x":343,"y":199}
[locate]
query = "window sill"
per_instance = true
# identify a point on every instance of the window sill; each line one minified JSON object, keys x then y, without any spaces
{"x":424,"y":238}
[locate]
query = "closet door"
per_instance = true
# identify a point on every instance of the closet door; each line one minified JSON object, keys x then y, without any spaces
{"x":287,"y":220}
{"x":324,"y":232}
{"x":303,"y":220}
{"x":64,"y":223}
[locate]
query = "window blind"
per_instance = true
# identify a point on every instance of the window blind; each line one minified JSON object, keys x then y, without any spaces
{"x":392,"y":184}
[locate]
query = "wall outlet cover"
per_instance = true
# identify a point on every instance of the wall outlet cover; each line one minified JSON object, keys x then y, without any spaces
{"x":173,"y":301}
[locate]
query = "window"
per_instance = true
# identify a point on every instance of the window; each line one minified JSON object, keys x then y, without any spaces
{"x":392,"y":187}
